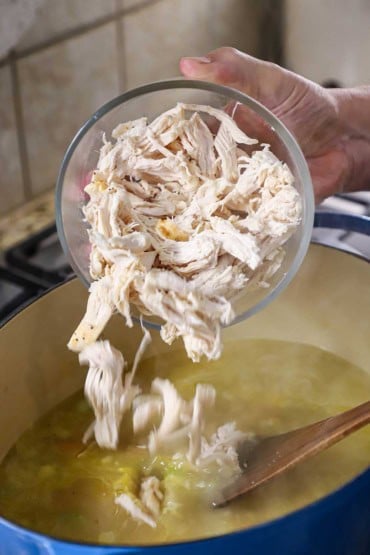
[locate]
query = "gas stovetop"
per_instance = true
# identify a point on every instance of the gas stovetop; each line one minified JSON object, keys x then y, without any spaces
{"x":29,"y":269}
{"x":38,"y":263}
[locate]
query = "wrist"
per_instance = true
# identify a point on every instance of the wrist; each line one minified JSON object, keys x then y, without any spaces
{"x":357,"y":151}
{"x":353,"y":110}
{"x":353,"y":120}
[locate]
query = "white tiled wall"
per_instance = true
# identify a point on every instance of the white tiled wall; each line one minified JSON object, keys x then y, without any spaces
{"x":60,"y":88}
{"x":57,"y":16}
{"x":80,"y":53}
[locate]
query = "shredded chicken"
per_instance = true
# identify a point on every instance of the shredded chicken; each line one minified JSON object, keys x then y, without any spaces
{"x":99,"y":310}
{"x":147,"y":507}
{"x":222,"y":447}
{"x":105,"y":391}
{"x":146,"y":411}
{"x":204,"y":398}
{"x":151,"y":495}
{"x":182,"y":431}
{"x":176,"y":416}
{"x":184,"y":421}
{"x":109,"y":397}
{"x":180,"y":221}
{"x":181,"y":423}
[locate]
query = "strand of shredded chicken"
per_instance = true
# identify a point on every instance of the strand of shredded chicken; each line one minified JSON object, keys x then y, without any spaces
{"x":105,"y":390}
{"x":181,"y":220}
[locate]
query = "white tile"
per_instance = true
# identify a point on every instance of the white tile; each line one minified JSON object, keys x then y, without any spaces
{"x":11,"y":188}
{"x":57,"y":16}
{"x":159,"y":34}
{"x":16,"y":17}
{"x":60,"y":88}
{"x":329,"y":40}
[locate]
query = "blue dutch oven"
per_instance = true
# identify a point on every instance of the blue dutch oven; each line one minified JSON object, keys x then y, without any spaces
{"x":327,"y":304}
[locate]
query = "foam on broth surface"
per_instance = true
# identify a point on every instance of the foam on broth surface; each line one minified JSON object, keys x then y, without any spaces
{"x":52,"y":483}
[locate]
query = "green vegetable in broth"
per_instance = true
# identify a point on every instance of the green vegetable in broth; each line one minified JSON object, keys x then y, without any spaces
{"x":53,"y":483}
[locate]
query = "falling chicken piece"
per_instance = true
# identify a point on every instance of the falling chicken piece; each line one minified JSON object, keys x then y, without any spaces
{"x":204,"y":399}
{"x":175,"y":417}
{"x":146,"y":412}
{"x":104,"y":391}
{"x":109,"y":397}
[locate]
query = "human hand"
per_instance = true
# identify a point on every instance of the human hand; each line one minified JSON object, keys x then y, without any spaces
{"x":309,"y":111}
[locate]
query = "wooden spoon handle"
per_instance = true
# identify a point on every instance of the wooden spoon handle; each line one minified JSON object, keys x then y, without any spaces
{"x":329,"y":431}
{"x":279,"y":453}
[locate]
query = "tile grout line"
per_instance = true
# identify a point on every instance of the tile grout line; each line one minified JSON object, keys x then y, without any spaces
{"x":21,"y":137}
{"x":5,"y":61}
{"x":120,"y":47}
{"x":78,"y":31}
{"x":272,"y":19}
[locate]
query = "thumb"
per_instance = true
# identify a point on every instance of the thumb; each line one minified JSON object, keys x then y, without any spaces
{"x":261,"y":80}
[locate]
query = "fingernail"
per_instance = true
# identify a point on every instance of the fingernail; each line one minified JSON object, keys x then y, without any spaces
{"x":199,"y":60}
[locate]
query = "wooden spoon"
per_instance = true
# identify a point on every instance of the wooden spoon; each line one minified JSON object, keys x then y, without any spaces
{"x":261,"y":461}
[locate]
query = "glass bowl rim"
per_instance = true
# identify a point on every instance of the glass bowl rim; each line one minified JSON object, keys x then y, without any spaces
{"x":283,"y":133}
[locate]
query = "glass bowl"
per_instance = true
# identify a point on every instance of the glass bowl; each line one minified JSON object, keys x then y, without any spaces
{"x":151,"y":100}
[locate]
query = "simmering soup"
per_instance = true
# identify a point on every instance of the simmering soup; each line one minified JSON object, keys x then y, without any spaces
{"x":53,"y":483}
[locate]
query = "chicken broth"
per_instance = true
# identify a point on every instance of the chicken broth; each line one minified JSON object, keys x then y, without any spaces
{"x":53,"y":483}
